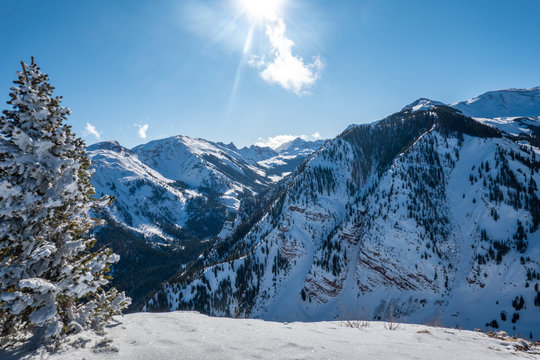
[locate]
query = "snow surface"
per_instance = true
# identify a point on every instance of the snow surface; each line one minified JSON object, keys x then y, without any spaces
{"x":512,"y":125}
{"x":508,"y":102}
{"x":189,"y":335}
{"x":120,"y":173}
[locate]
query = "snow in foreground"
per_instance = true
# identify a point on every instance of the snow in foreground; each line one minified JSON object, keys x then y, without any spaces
{"x":189,"y":335}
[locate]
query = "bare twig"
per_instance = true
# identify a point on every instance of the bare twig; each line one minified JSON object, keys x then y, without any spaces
{"x":393,"y":323}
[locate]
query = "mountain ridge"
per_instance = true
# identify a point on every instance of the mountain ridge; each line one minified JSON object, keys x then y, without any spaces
{"x":175,"y":197}
{"x":514,"y":102}
{"x":325,"y":244}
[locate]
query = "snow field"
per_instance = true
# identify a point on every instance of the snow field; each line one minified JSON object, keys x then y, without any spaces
{"x":189,"y":335}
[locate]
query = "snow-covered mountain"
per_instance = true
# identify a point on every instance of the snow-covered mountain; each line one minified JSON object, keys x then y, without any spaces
{"x":507,"y":103}
{"x":427,"y":215}
{"x":513,"y":111}
{"x":174,"y":196}
{"x":256,"y":153}
{"x":167,"y":182}
{"x":137,"y":188}
{"x":299,"y":146}
{"x":503,"y":103}
{"x":422,"y":104}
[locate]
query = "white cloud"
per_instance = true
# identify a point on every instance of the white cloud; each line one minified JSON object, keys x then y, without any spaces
{"x":142,"y":131}
{"x":286,"y":69}
{"x":91,"y":129}
{"x":276,"y":141}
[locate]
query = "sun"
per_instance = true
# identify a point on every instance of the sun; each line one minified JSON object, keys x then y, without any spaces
{"x":261,"y":10}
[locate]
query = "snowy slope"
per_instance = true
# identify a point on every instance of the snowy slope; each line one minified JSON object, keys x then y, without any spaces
{"x":200,"y":163}
{"x":136,"y":188}
{"x":257,"y":153}
{"x":514,"y":125}
{"x":166,"y":182}
{"x":299,"y":146}
{"x":187,"y":335}
{"x":422,"y":104}
{"x":154,"y":183}
{"x":173,"y":197}
{"x":514,"y":111}
{"x":290,"y":155}
{"x":503,"y":103}
{"x":426,"y":215}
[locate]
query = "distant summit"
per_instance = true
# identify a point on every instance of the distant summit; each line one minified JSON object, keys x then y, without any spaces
{"x":107,"y":145}
{"x":298,"y":146}
{"x":492,"y":104}
{"x":423,"y":104}
{"x":502,"y":103}
{"x":257,"y":153}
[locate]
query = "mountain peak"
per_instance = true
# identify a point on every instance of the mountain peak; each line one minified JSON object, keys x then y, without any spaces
{"x":298,"y":141}
{"x":107,"y":145}
{"x":229,"y":146}
{"x":299,"y":146}
{"x":502,"y":103}
{"x":422,"y":104}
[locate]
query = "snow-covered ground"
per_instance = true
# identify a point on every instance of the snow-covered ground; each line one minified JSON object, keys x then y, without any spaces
{"x":189,"y":335}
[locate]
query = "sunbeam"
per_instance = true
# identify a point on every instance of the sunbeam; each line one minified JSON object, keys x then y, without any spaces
{"x":241,"y":63}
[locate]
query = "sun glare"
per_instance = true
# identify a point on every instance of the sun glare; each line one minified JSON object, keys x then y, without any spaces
{"x":261,"y":10}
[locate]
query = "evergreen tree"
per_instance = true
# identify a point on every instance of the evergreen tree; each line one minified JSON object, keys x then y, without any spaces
{"x":51,"y":282}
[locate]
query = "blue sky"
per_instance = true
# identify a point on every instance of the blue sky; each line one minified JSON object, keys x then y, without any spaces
{"x":139,"y":70}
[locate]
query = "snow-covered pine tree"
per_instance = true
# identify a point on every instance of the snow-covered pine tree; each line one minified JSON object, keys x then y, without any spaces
{"x":51,"y":282}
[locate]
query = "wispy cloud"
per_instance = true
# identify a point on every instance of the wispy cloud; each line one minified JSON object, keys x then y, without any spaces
{"x":91,"y":129}
{"x":284,"y":68}
{"x":278,"y":140}
{"x":142,"y":131}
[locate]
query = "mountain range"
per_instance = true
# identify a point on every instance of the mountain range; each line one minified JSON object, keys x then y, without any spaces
{"x":428,"y":215}
{"x":173,"y":198}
